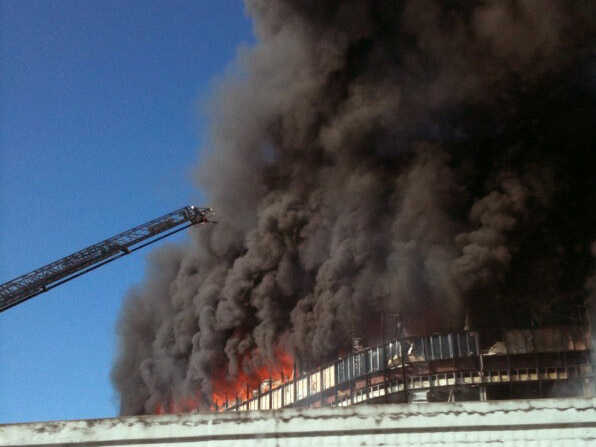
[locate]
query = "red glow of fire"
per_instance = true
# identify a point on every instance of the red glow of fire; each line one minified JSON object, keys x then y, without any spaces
{"x":159,"y":409}
{"x":184,"y":405}
{"x":241,"y":386}
{"x":231,"y":388}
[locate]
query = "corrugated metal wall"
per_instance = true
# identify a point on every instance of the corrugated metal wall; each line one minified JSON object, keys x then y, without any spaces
{"x":547,"y":422}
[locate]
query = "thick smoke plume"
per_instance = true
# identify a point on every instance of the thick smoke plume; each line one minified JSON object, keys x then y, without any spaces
{"x":432,"y":158}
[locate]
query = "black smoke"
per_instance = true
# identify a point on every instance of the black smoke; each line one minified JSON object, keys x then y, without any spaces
{"x":432,"y":158}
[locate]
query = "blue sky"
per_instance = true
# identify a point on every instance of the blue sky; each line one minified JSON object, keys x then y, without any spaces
{"x":101,"y":122}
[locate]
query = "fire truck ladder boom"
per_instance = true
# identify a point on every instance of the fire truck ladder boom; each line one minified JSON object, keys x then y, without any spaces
{"x":83,"y":261}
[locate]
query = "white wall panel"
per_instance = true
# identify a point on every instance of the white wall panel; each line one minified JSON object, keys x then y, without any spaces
{"x":547,"y":422}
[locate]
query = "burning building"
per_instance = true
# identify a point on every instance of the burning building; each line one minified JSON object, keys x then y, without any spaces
{"x":548,"y":362}
{"x":371,"y":157}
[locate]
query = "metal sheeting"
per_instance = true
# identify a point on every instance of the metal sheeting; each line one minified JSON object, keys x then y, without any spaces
{"x":417,"y":349}
{"x":547,"y":422}
{"x":554,"y":339}
{"x":388,"y":361}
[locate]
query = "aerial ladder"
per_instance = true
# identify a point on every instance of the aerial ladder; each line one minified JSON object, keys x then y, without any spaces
{"x":83,"y":261}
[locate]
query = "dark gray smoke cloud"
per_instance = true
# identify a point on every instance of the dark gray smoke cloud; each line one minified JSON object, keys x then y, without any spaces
{"x":433,"y":158}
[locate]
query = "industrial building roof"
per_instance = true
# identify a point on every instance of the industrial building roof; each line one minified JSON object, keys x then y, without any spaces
{"x":544,"y":422}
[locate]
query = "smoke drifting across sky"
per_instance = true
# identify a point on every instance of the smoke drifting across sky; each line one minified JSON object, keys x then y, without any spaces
{"x":371,"y":156}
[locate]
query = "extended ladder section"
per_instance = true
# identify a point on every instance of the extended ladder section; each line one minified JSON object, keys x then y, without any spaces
{"x":94,"y":256}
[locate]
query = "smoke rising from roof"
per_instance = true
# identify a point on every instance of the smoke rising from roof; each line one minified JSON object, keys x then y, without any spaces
{"x":371,"y":156}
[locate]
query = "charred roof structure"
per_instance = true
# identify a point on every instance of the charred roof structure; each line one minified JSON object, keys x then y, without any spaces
{"x":548,"y":362}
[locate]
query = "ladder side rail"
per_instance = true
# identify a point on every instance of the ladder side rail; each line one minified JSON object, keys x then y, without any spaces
{"x":129,"y":238}
{"x":56,"y":269}
{"x":35,"y":282}
{"x":148,"y":229}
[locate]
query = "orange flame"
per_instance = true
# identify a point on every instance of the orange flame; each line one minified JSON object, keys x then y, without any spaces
{"x":239,"y":387}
